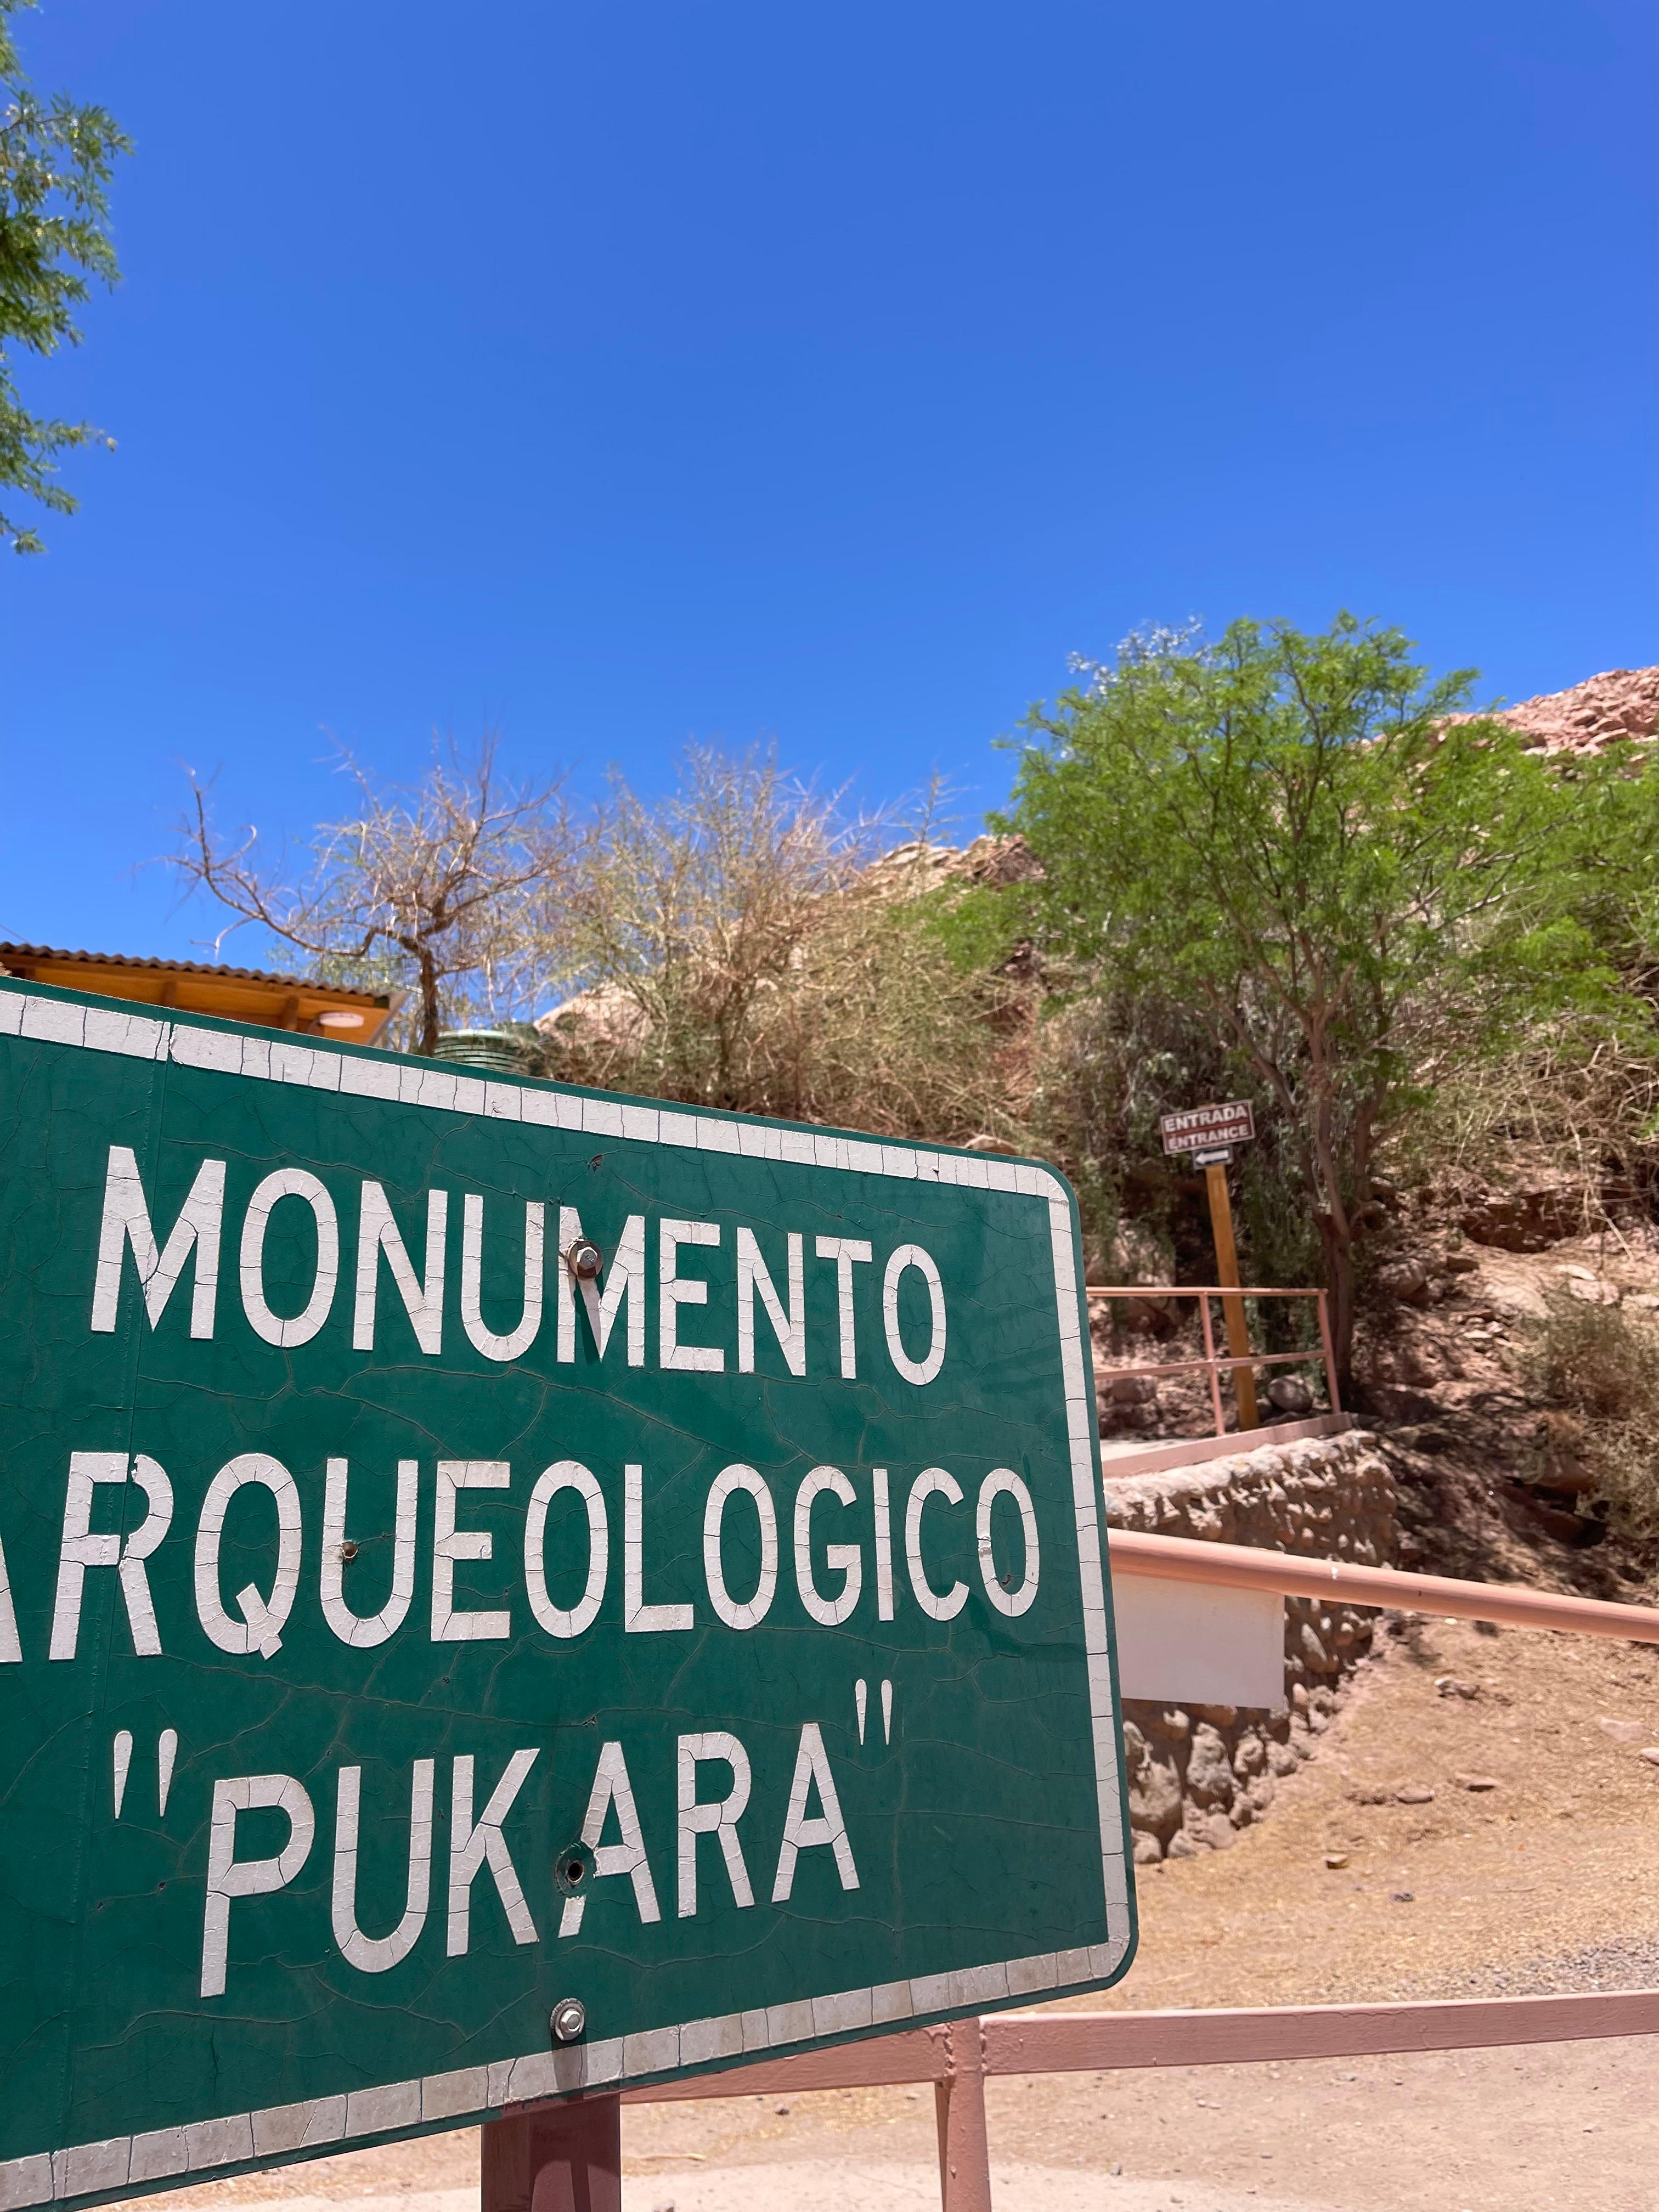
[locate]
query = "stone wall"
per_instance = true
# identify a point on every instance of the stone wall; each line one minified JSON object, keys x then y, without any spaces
{"x":1198,"y":1774}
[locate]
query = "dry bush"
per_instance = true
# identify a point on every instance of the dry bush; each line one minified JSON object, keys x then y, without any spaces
{"x":1599,"y":1367}
{"x":437,"y":891}
{"x":739,"y":947}
{"x":1577,"y":1104}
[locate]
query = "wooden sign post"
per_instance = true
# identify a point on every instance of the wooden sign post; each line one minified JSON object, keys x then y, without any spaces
{"x":1209,"y":1133}
{"x":1226,"y":1270}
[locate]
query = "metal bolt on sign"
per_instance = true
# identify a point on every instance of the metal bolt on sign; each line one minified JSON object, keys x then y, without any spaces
{"x":569,"y":2022}
{"x":585,"y":1260}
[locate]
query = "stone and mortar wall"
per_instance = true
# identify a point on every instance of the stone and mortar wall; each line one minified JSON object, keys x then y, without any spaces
{"x":1198,"y":1774}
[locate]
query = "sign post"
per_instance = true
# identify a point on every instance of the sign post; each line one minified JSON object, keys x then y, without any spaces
{"x":1209,"y":1133}
{"x":1226,"y":1264}
{"x":510,"y":1594}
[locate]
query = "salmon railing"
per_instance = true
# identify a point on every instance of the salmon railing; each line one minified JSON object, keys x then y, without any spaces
{"x":1215,"y":1364}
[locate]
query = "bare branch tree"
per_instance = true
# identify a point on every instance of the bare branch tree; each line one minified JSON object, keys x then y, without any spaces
{"x":445,"y":890}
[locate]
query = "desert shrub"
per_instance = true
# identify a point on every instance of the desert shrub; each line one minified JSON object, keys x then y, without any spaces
{"x":1576,"y":1101}
{"x":742,"y":944}
{"x":1599,"y":1367}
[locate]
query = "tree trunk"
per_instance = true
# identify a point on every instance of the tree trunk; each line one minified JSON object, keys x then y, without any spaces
{"x":431,"y":1023}
{"x":1337,"y":1250}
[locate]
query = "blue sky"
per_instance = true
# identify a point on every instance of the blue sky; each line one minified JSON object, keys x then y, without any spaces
{"x":614,"y":375}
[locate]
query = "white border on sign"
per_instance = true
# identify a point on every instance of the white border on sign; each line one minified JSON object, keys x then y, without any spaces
{"x":204,"y":2147}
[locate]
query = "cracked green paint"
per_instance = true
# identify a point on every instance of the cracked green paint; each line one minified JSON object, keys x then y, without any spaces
{"x":982,"y":1799}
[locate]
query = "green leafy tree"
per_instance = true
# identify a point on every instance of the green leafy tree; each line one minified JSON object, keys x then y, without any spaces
{"x":1616,"y":835}
{"x":1285,"y":833}
{"x":56,"y":163}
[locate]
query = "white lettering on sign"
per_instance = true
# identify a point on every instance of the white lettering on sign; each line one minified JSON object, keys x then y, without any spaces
{"x":717,"y":1817}
{"x":925,"y":1369}
{"x":845,"y":1251}
{"x":230,"y":1877}
{"x":364,"y":1632}
{"x":377,"y":1954}
{"x":515,"y":1345}
{"x":566,"y":1475}
{"x":674,"y":1291}
{"x":884,"y":1533}
{"x":472,"y":1848}
{"x":1003,"y":1482}
{"x":789,"y":1327}
{"x":613,"y":1793}
{"x":81,"y":1549}
{"x":451,"y":1624}
{"x":619,"y":1292}
{"x":844,"y":1559}
{"x":300,"y":1328}
{"x":126,"y":1222}
{"x":586,"y":1575}
{"x":1195,"y":1127}
{"x":937,"y":1605}
{"x":804,"y":1831}
{"x":11,"y":1648}
{"x":379,"y":1235}
{"x":638,"y":1617}
{"x":739,"y":1613}
{"x":624,"y":1280}
{"x":260,"y":1628}
{"x":813,"y":1820}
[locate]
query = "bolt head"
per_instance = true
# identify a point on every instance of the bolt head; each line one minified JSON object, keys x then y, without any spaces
{"x":569,"y":2020}
{"x":585,"y":1260}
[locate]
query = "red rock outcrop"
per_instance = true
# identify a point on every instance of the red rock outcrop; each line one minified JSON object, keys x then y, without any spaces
{"x":1621,"y":703}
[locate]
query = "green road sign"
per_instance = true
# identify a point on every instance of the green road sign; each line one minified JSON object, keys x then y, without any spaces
{"x":470,"y":1545}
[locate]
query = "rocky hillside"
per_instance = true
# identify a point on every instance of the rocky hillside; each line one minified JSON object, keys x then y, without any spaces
{"x":1621,"y":703}
{"x":1493,"y":1483}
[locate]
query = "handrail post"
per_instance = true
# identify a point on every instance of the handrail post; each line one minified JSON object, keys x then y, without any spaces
{"x":1332,"y":1391}
{"x":1209,"y":1358}
{"x":964,"y":2150}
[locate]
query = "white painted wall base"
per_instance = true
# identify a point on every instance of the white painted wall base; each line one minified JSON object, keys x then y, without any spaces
{"x":1124,"y":1457}
{"x":1193,"y":1643}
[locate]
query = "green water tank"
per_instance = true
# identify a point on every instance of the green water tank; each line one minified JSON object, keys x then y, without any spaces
{"x":493,"y":1052}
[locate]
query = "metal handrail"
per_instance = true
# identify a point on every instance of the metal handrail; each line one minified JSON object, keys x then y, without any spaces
{"x":1214,"y":1364}
{"x":1345,"y":1582}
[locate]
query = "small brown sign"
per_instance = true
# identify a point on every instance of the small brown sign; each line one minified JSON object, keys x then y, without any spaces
{"x":1199,"y":1128}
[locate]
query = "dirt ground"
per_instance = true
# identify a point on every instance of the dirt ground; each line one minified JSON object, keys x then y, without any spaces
{"x":1549,"y":1879}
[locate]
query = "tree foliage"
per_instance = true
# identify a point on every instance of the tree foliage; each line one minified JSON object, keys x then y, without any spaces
{"x":1284,"y":833}
{"x":55,"y":162}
